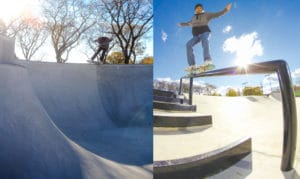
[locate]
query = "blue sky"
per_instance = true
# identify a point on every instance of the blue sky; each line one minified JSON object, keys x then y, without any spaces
{"x":258,"y":30}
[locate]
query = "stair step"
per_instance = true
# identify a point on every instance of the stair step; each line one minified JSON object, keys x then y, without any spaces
{"x":167,"y":119}
{"x":173,"y":106}
{"x":157,"y":92}
{"x":171,"y":100}
{"x":205,"y":164}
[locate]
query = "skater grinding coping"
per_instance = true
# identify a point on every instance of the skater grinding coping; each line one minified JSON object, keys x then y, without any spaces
{"x":103,"y":46}
{"x":201,"y":33}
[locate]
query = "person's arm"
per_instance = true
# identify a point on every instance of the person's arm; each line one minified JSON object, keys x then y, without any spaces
{"x":218,"y":14}
{"x":184,"y":24}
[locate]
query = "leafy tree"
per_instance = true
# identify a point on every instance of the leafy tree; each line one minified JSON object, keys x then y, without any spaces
{"x":232,"y":92}
{"x":215,"y":94}
{"x":248,"y":91}
{"x":116,"y":58}
{"x":147,"y":60}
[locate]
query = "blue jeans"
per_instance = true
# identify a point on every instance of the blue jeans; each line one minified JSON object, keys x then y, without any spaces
{"x":205,"y":45}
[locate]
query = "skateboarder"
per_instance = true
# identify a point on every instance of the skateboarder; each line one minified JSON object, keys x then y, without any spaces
{"x":103,"y":46}
{"x":201,"y":33}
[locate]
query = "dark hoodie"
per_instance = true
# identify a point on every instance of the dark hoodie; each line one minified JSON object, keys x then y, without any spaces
{"x":200,"y":22}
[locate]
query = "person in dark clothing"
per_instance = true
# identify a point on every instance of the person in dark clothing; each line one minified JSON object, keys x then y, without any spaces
{"x":201,"y":33}
{"x":103,"y":46}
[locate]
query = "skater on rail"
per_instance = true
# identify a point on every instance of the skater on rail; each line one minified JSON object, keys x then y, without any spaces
{"x":201,"y":33}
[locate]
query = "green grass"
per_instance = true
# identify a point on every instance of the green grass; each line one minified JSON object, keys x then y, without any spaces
{"x":297,"y":93}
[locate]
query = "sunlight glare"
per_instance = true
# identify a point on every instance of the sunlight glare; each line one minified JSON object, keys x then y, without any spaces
{"x":243,"y":63}
{"x":10,"y":9}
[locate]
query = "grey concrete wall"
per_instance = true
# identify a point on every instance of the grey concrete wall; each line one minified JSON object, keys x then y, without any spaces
{"x":126,"y":93}
{"x":96,"y":96}
{"x":7,"y":49}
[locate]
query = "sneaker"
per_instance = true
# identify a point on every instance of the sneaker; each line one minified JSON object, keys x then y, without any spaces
{"x":207,"y":62}
{"x":206,"y":66}
{"x":191,"y":68}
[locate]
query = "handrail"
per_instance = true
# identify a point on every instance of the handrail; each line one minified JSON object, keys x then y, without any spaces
{"x":287,"y":94}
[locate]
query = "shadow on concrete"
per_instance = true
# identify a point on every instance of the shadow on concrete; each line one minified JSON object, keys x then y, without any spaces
{"x":251,"y":98}
{"x":244,"y":167}
{"x":240,"y":170}
{"x":132,"y":146}
{"x":293,"y":174}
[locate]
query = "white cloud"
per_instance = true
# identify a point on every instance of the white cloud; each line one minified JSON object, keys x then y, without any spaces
{"x":227,"y":29}
{"x":164,"y":36}
{"x":296,"y":76}
{"x":244,"y":47}
{"x":296,"y":73}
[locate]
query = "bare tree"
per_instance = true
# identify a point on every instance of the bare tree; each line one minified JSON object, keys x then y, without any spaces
{"x":12,"y":27}
{"x":30,"y":36}
{"x":28,"y":31}
{"x":67,"y":20}
{"x":130,"y":20}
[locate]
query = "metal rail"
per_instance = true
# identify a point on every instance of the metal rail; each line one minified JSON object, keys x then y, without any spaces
{"x":287,"y":94}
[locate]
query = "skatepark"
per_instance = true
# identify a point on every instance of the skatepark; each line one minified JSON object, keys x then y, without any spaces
{"x":220,"y":137}
{"x":74,"y":120}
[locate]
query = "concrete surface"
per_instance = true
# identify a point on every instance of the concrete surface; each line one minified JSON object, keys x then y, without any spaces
{"x":263,"y":121}
{"x":260,"y":118}
{"x":74,"y":120}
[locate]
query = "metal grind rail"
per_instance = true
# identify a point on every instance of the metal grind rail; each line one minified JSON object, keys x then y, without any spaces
{"x":287,"y":94}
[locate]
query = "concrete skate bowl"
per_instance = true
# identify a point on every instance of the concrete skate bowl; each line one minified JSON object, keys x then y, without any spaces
{"x":75,"y":120}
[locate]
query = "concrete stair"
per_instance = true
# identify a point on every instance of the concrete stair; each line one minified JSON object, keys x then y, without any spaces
{"x":180,"y":119}
{"x":173,"y":106}
{"x":163,"y":93}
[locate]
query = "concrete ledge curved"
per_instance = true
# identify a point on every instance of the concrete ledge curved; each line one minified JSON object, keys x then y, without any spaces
{"x":204,"y":164}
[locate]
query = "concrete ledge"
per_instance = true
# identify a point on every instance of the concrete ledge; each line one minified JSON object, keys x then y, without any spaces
{"x":181,"y":120}
{"x":173,"y":106}
{"x":203,"y":165}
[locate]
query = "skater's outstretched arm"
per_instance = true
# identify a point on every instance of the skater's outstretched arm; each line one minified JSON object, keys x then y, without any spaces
{"x":184,"y":24}
{"x":218,"y":14}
